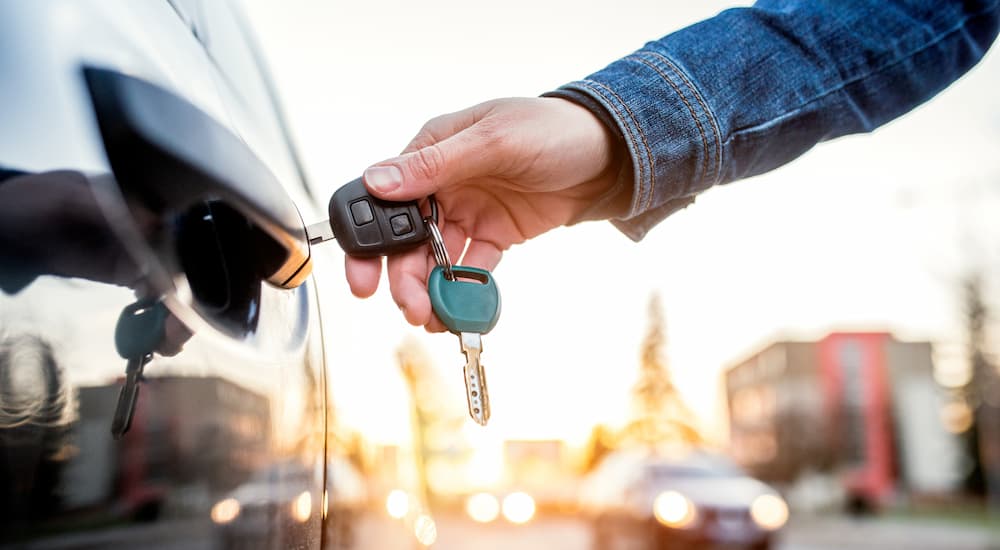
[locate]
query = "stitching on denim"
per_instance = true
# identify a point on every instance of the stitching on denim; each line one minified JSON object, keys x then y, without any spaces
{"x":694,"y":115}
{"x":649,"y":152}
{"x":716,"y":133}
{"x":628,"y":131}
{"x":642,"y":203}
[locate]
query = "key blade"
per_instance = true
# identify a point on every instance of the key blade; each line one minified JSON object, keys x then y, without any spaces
{"x":125,"y":408}
{"x":475,"y":378}
{"x":319,"y":232}
{"x":127,"y":396}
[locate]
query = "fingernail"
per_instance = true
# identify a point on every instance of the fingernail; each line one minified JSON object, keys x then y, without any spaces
{"x":383,"y":178}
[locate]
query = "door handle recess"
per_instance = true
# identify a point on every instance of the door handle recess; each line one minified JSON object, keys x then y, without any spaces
{"x":171,"y":155}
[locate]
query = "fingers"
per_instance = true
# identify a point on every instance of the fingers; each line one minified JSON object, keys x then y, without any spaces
{"x":408,"y":275}
{"x":175,"y":335}
{"x":408,"y":285}
{"x":482,"y":254}
{"x":362,"y":275}
{"x":430,"y":163}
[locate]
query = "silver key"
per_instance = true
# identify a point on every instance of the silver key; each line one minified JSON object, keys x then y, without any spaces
{"x":475,"y":378}
{"x":127,"y":397}
{"x":320,"y":232}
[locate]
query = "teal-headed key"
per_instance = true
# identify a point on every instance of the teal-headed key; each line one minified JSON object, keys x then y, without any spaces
{"x":468,"y":304}
{"x":140,"y":328}
{"x":138,"y":333}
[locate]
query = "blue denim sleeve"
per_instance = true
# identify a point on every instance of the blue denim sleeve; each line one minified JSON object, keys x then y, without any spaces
{"x":753,"y":88}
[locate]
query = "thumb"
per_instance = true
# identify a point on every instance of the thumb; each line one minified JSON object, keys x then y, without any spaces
{"x":436,"y":166}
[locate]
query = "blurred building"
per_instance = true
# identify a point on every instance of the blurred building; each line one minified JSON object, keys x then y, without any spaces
{"x":863,"y":408}
{"x":184,"y":428}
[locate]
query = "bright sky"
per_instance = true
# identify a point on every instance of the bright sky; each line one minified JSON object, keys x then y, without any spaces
{"x":864,"y":232}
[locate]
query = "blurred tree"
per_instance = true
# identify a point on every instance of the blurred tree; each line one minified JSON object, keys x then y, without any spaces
{"x":974,"y":317}
{"x":982,"y":439}
{"x":437,"y":422}
{"x":660,"y":416}
{"x":602,"y":441}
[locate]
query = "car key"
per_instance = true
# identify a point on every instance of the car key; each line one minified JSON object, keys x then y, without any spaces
{"x":138,"y":332}
{"x":367,"y":226}
{"x":468,"y":303}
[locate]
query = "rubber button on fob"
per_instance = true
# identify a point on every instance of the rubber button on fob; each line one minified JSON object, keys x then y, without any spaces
{"x":401,"y":224}
{"x":362,"y":213}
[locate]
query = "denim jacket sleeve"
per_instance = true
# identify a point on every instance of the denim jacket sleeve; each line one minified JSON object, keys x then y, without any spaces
{"x":753,"y":88}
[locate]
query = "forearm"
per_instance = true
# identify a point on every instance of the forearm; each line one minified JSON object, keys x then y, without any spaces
{"x":753,"y":88}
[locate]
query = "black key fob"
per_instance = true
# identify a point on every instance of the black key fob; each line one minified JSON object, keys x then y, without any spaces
{"x":368,"y":227}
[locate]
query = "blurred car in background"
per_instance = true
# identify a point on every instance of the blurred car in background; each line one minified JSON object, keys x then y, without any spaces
{"x":277,"y":495}
{"x":515,"y":507}
{"x":152,"y":209}
{"x":699,"y":499}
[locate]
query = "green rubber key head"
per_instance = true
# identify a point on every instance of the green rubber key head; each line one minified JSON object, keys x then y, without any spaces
{"x":140,"y":328}
{"x":469,"y":303}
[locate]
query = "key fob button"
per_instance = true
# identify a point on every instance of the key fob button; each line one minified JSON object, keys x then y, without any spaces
{"x":401,"y":225}
{"x":368,"y":227}
{"x":362,"y":213}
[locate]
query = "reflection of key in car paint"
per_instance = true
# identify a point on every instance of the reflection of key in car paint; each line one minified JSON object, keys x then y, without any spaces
{"x":139,"y":330}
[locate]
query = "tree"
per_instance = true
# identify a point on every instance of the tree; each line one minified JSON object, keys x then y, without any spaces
{"x":981,"y":439}
{"x":599,"y":444}
{"x":660,"y":415}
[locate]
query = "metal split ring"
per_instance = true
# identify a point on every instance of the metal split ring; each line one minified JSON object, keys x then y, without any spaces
{"x":437,"y":241}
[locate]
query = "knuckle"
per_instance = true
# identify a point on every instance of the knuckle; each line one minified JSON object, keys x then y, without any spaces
{"x":494,"y":135}
{"x":428,"y":162}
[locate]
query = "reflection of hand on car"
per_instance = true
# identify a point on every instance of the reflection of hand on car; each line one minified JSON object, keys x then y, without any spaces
{"x":51,"y":224}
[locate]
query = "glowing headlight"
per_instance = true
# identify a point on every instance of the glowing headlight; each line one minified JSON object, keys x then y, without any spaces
{"x":425,"y":530}
{"x":518,"y":507}
{"x":482,"y":507}
{"x":397,"y":504}
{"x":302,"y":507}
{"x":674,"y":510}
{"x":769,"y":512}
{"x":225,"y":511}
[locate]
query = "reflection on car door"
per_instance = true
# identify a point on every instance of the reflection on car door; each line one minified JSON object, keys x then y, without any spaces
{"x":227,"y":440}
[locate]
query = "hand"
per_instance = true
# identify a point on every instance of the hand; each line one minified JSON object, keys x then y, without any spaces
{"x":503,"y":172}
{"x":52,"y":224}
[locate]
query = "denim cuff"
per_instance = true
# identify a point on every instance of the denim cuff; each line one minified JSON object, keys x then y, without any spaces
{"x":615,"y":201}
{"x":672,"y":138}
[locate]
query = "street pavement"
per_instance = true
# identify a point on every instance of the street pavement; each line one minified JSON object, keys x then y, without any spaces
{"x":455,"y":532}
{"x":836,"y":533}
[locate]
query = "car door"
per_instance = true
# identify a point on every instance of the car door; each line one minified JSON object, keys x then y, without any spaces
{"x":179,"y":217}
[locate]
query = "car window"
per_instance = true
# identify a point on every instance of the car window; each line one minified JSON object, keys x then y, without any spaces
{"x":245,"y":86}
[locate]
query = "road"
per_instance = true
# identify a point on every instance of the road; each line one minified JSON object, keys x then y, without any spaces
{"x":456,"y":533}
{"x":810,"y":534}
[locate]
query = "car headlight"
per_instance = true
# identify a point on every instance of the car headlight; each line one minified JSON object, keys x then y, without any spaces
{"x":482,"y":507}
{"x":225,"y":511}
{"x":674,"y":510}
{"x":769,"y":512}
{"x":518,"y":507}
{"x":425,"y":530}
{"x":302,"y":507}
{"x":397,"y":504}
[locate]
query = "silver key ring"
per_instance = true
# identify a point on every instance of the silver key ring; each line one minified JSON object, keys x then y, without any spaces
{"x":440,"y":251}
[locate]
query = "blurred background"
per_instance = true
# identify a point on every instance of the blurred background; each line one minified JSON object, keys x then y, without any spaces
{"x":807,"y":360}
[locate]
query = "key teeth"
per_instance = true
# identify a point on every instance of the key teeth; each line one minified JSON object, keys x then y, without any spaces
{"x":484,"y":396}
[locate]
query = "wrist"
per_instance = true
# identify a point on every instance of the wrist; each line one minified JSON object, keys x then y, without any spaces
{"x":612,"y":197}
